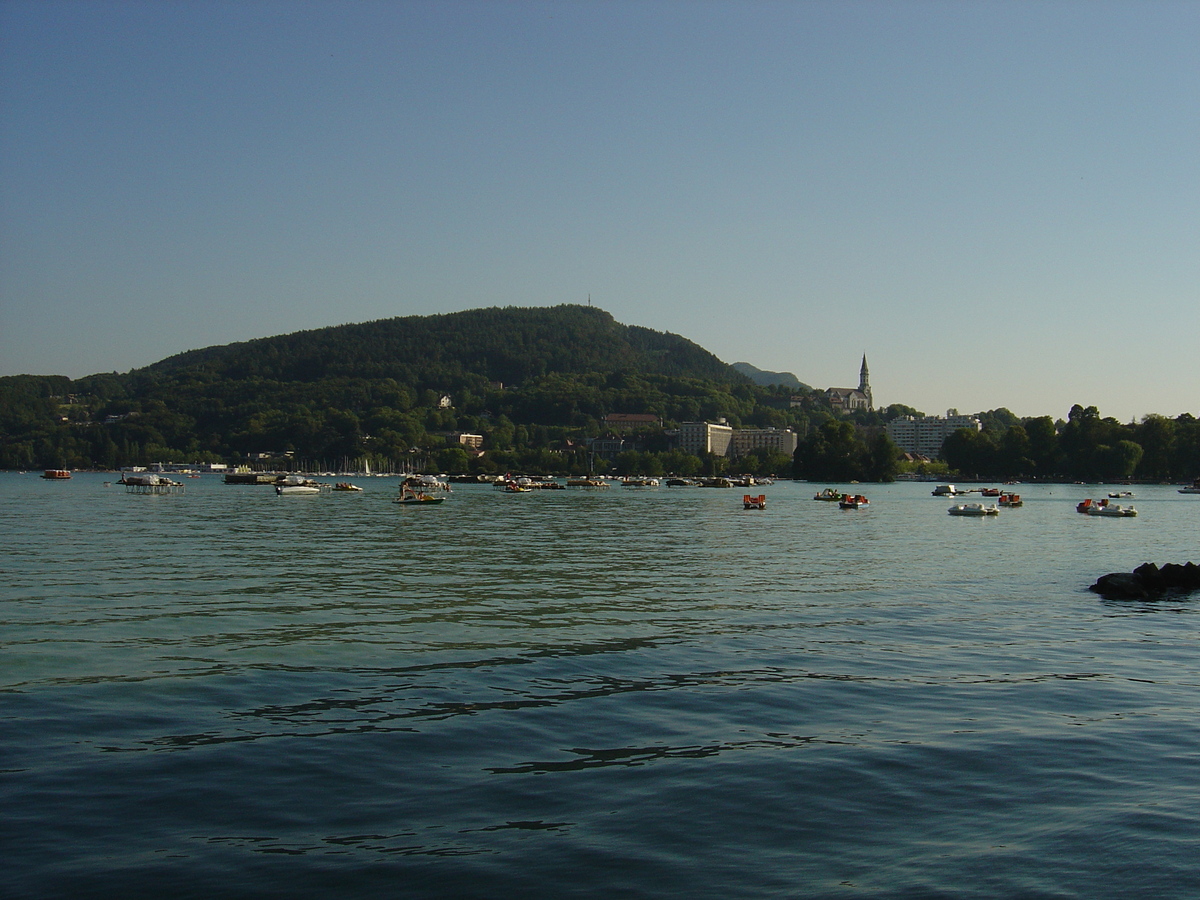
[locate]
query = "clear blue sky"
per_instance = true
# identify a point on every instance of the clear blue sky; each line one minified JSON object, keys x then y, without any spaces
{"x":998,"y":202}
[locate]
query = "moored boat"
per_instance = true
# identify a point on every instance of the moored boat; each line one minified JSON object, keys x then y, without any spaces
{"x":513,"y":484}
{"x":509,"y":484}
{"x":413,"y":497}
{"x":416,"y":490}
{"x":149,"y":483}
{"x":974,"y":509}
{"x":1112,"y":510}
{"x":145,"y":478}
{"x":56,"y":474}
{"x":297,"y":484}
{"x":946,"y":490}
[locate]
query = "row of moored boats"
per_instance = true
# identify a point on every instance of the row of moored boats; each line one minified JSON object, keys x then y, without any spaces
{"x":1004,"y":499}
{"x":431,"y":489}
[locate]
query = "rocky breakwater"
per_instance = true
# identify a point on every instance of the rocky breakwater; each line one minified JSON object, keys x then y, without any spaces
{"x":1149,"y":582}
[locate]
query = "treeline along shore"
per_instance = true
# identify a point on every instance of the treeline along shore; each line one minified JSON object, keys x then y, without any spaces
{"x":524,"y":389}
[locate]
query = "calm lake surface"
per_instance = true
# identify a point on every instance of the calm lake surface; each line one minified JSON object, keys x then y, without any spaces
{"x":619,"y":693}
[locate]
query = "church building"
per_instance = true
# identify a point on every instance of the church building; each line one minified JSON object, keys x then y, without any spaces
{"x":851,"y":399}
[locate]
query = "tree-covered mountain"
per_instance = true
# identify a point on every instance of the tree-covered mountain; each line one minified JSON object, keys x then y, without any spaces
{"x":509,"y":345}
{"x":526,"y":379}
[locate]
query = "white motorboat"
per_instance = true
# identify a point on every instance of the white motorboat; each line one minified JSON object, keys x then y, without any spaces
{"x":974,"y":509}
{"x":1114,"y":510}
{"x":282,"y":489}
{"x":297,"y":484}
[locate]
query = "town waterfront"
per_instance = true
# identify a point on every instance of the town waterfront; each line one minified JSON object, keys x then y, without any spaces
{"x":592,"y":693}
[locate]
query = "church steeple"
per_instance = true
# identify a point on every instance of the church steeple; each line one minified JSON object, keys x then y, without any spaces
{"x":864,"y":382}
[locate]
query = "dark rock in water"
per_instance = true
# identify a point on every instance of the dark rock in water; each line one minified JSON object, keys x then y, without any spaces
{"x":1120,"y":586}
{"x":1149,"y":582}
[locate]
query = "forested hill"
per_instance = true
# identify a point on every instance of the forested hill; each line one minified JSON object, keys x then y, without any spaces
{"x":509,"y":345}
{"x":529,"y":380}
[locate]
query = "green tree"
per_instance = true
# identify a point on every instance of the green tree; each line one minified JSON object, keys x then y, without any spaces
{"x":1014,"y":454}
{"x":883,"y":461}
{"x":833,"y":452}
{"x":451,"y":459}
{"x":1043,"y":445}
{"x":971,"y":452}
{"x":1119,"y":461}
{"x":1156,"y":436}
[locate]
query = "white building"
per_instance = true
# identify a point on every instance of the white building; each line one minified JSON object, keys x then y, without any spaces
{"x":925,"y":435}
{"x":698,"y":438}
{"x":746,"y":440}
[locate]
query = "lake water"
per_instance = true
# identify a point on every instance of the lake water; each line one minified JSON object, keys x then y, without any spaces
{"x":621,"y":693}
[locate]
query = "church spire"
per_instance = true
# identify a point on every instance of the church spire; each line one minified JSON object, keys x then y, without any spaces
{"x":864,"y":382}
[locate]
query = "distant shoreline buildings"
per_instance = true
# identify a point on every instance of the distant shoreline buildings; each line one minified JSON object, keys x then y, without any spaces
{"x":703,"y":439}
{"x":924,"y":435}
{"x":699,"y":438}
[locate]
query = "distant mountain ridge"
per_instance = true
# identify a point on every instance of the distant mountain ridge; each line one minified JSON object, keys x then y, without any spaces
{"x":766,"y":379}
